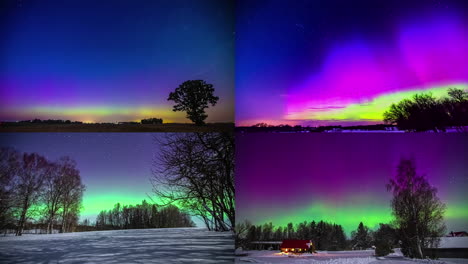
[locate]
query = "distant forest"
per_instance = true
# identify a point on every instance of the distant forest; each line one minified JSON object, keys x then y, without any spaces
{"x":142,"y":215}
{"x":68,"y":122}
{"x":285,"y":128}
{"x":324,"y":235}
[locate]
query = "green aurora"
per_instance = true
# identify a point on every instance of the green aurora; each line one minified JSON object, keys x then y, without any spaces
{"x":368,"y":110}
{"x":347,"y":215}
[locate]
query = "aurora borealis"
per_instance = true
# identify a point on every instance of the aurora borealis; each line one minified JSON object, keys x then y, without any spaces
{"x":344,"y":62}
{"x":110,"y":61}
{"x":341,"y":178}
{"x":115,"y":167}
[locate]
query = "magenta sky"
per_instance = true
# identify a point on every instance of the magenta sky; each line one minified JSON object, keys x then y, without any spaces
{"x":343,"y":62}
{"x":341,"y":178}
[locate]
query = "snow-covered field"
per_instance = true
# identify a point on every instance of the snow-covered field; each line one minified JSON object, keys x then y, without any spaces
{"x":336,"y":257}
{"x":170,"y":245}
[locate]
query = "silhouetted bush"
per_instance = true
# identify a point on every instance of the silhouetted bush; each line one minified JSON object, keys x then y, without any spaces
{"x":152,"y":121}
{"x":385,"y":239}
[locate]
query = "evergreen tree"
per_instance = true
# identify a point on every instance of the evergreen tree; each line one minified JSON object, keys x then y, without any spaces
{"x":340,"y":237}
{"x":290,"y":230}
{"x":385,"y":239}
{"x":361,"y":238}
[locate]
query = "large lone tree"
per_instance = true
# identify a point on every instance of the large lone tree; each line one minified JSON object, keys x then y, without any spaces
{"x":193,"y":97}
{"x":418,"y":211}
{"x":195,"y":171}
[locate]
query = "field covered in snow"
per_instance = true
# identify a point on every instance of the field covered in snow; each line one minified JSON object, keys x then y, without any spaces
{"x":336,"y":257}
{"x":169,"y":245}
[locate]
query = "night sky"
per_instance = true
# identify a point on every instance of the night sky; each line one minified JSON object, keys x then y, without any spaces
{"x":342,"y":178}
{"x":108,"y":61}
{"x":115,"y":167}
{"x":328,"y":62}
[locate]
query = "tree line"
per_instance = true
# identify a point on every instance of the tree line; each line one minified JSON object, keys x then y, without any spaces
{"x":425,"y":112}
{"x":195,"y":171}
{"x":324,"y":235}
{"x":264,"y":127}
{"x":142,"y":215}
{"x":48,"y":121}
{"x":152,"y":120}
{"x":35,"y":189}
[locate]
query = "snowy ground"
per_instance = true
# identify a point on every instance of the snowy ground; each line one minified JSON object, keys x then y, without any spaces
{"x":336,"y":257}
{"x":170,"y":245}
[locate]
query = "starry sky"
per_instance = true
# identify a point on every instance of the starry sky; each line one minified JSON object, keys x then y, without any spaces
{"x":108,"y":61}
{"x":115,"y":167}
{"x":342,"y":178}
{"x":330,"y":62}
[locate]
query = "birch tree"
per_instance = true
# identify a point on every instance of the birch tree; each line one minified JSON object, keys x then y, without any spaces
{"x":31,"y":175}
{"x":418,"y":212}
{"x":9,"y":165}
{"x":72,"y":193}
{"x":52,"y":196}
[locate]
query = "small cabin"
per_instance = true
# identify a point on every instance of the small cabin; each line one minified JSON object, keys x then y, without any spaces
{"x":296,"y":246}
